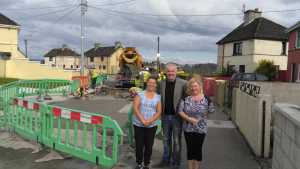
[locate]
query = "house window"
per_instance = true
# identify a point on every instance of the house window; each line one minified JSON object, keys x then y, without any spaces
{"x":242,"y":68}
{"x":298,"y":73}
{"x":51,"y":58}
{"x":5,"y":55}
{"x":277,"y":67}
{"x":102,"y":58}
{"x":231,"y":69}
{"x":71,"y":66}
{"x":64,"y":66}
{"x":104,"y":67}
{"x":298,"y":39}
{"x":295,"y":72}
{"x":283,"y":49}
{"x":100,"y":66}
{"x":237,"y":48}
{"x":91,"y":59}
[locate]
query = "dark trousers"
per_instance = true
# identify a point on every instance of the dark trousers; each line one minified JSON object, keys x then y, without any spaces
{"x":194,"y":142}
{"x":144,"y":140}
{"x":172,"y":132}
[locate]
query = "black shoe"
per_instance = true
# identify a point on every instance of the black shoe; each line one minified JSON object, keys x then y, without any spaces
{"x":146,"y":167}
{"x":176,"y":167}
{"x":139,"y":167}
{"x":161,"y":164}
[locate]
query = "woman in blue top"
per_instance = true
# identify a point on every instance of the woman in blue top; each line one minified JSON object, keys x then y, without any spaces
{"x":147,"y":110}
{"x":194,"y":110}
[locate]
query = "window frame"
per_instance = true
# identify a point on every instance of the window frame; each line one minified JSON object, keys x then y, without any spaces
{"x":297,"y":44}
{"x":244,"y":68}
{"x":237,"y":49}
{"x":283,"y":48}
{"x":92,"y":59}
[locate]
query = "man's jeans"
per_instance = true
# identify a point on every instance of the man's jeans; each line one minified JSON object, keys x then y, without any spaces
{"x":172,"y":131}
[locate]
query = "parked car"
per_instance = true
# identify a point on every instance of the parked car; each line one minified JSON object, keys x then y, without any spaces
{"x":249,"y":77}
{"x":235,"y":78}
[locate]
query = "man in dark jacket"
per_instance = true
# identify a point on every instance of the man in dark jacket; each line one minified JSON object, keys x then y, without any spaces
{"x":172,"y":90}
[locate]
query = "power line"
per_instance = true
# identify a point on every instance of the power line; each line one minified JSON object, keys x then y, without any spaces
{"x":281,"y":11}
{"x":57,"y":20}
{"x":115,"y":3}
{"x":163,"y":15}
{"x":161,"y":24}
{"x":66,"y":14}
{"x":48,"y":13}
{"x":35,"y":8}
{"x":189,"y":15}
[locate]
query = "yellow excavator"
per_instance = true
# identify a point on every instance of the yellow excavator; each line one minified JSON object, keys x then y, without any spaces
{"x":130,"y":63}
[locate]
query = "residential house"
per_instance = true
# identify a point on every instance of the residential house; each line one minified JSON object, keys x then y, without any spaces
{"x":63,"y":57}
{"x":294,"y":53}
{"x":255,"y":39}
{"x":104,"y":59}
{"x":14,"y":64}
{"x":9,"y":31}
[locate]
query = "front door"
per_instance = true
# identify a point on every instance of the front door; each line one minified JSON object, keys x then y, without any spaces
{"x":294,"y":72}
{"x":298,"y":73}
{"x":242,"y":68}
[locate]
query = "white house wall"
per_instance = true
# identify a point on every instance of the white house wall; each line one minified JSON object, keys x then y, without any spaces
{"x":252,"y":52}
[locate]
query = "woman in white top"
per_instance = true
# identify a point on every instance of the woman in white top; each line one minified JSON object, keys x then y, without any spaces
{"x":147,"y":110}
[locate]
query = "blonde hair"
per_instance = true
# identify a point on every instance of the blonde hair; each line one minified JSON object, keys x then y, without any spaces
{"x":195,"y":79}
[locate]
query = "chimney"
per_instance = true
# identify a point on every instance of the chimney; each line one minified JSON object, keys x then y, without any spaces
{"x":118,"y":44}
{"x":97,"y":45}
{"x":250,"y":15}
{"x":64,"y":46}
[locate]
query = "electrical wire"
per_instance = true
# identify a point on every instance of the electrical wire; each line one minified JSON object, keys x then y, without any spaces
{"x":114,"y":3}
{"x":189,"y":15}
{"x":66,"y":14}
{"x":48,"y":13}
{"x":157,"y":24}
{"x":35,"y":8}
{"x":164,"y":15}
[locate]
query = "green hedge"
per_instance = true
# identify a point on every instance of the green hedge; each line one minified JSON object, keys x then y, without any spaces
{"x":6,"y":80}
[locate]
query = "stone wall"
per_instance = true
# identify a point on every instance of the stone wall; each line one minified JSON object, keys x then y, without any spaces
{"x":286,"y":149}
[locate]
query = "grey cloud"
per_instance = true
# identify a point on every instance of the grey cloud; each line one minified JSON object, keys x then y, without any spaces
{"x":195,"y":35}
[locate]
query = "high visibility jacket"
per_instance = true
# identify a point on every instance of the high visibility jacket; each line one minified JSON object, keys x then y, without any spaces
{"x":146,"y":75}
{"x":95,"y":74}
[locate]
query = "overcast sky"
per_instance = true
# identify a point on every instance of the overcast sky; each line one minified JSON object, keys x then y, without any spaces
{"x":48,"y":24}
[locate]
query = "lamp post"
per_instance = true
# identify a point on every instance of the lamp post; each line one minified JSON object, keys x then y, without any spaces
{"x":158,"y":56}
{"x":83,"y":5}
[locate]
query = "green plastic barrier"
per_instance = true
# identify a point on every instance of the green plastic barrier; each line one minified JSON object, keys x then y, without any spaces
{"x":89,"y":136}
{"x":86,"y":135}
{"x":100,"y":79}
{"x":24,"y":88}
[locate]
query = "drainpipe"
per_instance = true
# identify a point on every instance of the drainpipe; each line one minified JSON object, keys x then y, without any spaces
{"x":263,"y":129}
{"x":223,"y":52}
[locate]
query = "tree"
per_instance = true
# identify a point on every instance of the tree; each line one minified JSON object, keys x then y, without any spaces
{"x":267,"y":68}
